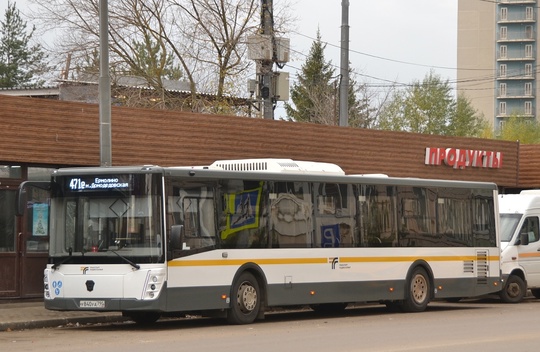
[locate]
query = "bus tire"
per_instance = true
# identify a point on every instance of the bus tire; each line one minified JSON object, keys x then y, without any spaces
{"x":418,"y":291}
{"x":245,"y":300}
{"x":535,"y":292}
{"x":514,"y":290}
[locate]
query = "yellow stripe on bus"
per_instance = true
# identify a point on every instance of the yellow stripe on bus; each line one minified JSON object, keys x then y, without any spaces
{"x":273,"y":261}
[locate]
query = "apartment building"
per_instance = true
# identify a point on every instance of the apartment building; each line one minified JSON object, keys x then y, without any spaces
{"x":496,"y":58}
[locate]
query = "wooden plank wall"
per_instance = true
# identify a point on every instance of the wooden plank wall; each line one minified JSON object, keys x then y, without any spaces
{"x":529,"y":166}
{"x":67,"y":133}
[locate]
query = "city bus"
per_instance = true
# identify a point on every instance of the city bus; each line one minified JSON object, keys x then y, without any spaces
{"x":240,"y":237}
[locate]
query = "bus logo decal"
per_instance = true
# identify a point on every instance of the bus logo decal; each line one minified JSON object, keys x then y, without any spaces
{"x":334,"y":262}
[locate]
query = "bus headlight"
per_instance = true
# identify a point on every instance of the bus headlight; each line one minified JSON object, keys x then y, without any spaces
{"x":46,"y":289}
{"x":153,"y":284}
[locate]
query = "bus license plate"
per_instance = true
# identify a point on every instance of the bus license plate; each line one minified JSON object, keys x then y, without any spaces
{"x":92,"y":304}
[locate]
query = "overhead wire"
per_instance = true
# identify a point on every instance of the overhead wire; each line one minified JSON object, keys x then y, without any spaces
{"x":490,"y":77}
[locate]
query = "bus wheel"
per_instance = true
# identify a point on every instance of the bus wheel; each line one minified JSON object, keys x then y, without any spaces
{"x":536,"y":292}
{"x":418,"y":292}
{"x":514,"y":290}
{"x":143,"y":318}
{"x":245,"y":300}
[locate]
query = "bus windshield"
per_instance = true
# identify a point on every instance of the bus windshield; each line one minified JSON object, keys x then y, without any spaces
{"x":107,"y":217}
{"x":509,"y":223}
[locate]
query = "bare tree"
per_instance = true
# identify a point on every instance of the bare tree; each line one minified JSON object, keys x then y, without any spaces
{"x":199,"y":41}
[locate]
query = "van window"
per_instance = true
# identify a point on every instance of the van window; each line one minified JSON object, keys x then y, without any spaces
{"x":530,"y":227}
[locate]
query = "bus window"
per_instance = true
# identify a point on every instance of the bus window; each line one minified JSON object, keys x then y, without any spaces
{"x":377,"y":216}
{"x":418,"y":217}
{"x":291,"y":215}
{"x":334,"y":215}
{"x":483,"y":222}
{"x":454,"y":222}
{"x":243,"y":214}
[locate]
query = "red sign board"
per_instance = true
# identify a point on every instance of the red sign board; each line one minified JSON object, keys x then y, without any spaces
{"x":462,"y":158}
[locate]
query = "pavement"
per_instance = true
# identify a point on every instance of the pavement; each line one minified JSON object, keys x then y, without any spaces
{"x":31,"y":314}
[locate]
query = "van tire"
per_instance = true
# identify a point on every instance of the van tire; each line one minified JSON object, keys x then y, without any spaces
{"x":535,"y":292}
{"x":514,"y":290}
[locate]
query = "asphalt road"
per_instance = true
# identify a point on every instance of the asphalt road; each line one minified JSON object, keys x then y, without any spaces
{"x":478,"y":325}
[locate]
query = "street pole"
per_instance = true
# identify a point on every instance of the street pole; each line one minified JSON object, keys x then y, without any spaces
{"x":104,"y":87}
{"x":266,"y":73}
{"x":344,"y":82}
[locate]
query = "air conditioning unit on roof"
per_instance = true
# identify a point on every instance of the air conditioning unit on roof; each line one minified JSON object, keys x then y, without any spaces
{"x":279,"y":166}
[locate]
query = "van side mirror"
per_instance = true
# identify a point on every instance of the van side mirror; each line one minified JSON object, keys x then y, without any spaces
{"x":177,"y":237}
{"x":523,"y":239}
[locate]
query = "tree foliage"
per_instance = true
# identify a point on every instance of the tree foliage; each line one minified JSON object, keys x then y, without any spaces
{"x":518,"y":128}
{"x":201,"y":41}
{"x":429,"y":107}
{"x":21,"y":62}
{"x":315,"y":95}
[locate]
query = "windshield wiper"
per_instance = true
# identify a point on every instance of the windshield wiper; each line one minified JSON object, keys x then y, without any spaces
{"x":63,"y":261}
{"x":136,"y":266}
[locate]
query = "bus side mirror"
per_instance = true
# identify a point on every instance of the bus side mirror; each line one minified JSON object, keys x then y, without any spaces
{"x":177,"y":237}
{"x":523,"y":239}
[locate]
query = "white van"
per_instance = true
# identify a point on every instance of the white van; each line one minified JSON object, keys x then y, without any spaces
{"x":520,"y":244}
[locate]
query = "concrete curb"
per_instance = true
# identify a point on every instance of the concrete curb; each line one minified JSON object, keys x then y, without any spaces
{"x":61,"y":321}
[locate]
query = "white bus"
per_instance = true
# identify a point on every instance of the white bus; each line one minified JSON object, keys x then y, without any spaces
{"x":238,"y":237}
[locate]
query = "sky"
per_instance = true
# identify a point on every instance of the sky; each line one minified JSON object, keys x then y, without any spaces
{"x":389,"y":40}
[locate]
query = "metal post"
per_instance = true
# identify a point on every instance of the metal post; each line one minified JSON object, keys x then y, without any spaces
{"x":344,"y":83}
{"x":266,"y":65}
{"x":104,"y":87}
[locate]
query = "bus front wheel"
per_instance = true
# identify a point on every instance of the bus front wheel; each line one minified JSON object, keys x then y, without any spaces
{"x":245,"y":300}
{"x":418,"y":292}
{"x":514,"y":290}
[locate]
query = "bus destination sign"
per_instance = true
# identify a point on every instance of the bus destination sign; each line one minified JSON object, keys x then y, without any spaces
{"x":99,"y":183}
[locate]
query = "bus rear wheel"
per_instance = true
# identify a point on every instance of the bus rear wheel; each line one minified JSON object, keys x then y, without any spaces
{"x":418,"y":292}
{"x":245,"y":300}
{"x":514,"y":290}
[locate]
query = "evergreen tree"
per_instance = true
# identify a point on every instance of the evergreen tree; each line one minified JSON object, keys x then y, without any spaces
{"x":361,"y":113}
{"x":464,"y":121}
{"x":315,"y":94}
{"x":20,"y":62}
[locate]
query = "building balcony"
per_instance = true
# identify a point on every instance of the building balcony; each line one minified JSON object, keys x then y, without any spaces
{"x":523,"y":58}
{"x":514,"y":94}
{"x":517,"y":36}
{"x":516,"y":17}
{"x":521,"y":75}
{"x":517,"y":2}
